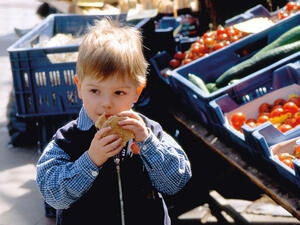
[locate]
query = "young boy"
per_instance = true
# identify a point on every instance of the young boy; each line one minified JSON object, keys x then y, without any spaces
{"x":77,"y":174}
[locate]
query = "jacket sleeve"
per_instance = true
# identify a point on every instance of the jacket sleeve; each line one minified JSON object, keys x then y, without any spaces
{"x":61,"y":181}
{"x":166,"y":162}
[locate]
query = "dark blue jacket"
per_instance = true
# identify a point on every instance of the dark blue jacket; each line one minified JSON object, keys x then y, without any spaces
{"x":101,"y":204}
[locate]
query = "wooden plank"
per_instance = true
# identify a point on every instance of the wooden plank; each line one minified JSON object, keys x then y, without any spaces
{"x":285,"y":195}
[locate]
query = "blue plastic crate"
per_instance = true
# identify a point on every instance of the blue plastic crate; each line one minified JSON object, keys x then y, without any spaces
{"x":210,"y":67}
{"x":182,"y":40}
{"x":296,"y":164}
{"x":286,"y":172}
{"x":265,"y":85}
{"x":160,"y":64}
{"x":44,"y":88}
{"x":256,"y":11}
{"x":281,"y":143}
{"x":167,"y":22}
{"x":267,"y":135}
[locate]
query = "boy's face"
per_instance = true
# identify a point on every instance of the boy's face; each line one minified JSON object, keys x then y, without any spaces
{"x":109,"y":96}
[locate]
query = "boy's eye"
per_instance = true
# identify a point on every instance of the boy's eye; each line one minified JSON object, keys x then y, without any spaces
{"x":119,"y":92}
{"x":94,"y":91}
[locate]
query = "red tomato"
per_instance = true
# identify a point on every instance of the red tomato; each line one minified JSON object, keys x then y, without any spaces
{"x":264,"y":107}
{"x":198,"y":48}
{"x":186,"y":61}
{"x":222,"y":37}
{"x":297,"y":117}
{"x":219,"y":45}
{"x":296,"y":100}
{"x":230,"y":31}
{"x":278,"y":111}
{"x":291,"y":121}
{"x":290,"y":107}
{"x":279,"y":101}
{"x":251,"y":124}
{"x":282,"y":15}
{"x":195,"y":48}
{"x":262,"y":118}
{"x":284,"y":127}
{"x":200,"y":41}
{"x":251,"y":120}
{"x":264,"y":113}
{"x":284,"y":155}
{"x":237,"y":120}
{"x":179,"y":55}
{"x":298,"y":6}
{"x":209,"y":42}
{"x":288,"y":162}
{"x":297,"y":151}
{"x":220,"y":30}
{"x":208,"y":34}
{"x":234,"y":38}
{"x":290,"y":6}
{"x":174,"y":63}
{"x":227,"y":43}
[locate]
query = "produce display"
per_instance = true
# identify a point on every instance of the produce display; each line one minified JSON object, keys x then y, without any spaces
{"x":289,"y":9}
{"x":283,"y":114}
{"x":285,"y":45}
{"x":207,"y":43}
{"x":226,"y":112}
{"x":287,"y":151}
{"x":223,"y":36}
{"x":287,"y":158}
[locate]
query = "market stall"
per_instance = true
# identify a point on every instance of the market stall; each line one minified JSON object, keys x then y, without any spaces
{"x":188,"y":90}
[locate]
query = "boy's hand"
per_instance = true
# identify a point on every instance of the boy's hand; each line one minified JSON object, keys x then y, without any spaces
{"x":103,"y":147}
{"x":135,"y":124}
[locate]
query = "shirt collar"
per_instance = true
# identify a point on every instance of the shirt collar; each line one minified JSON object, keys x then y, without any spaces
{"x":84,"y":121}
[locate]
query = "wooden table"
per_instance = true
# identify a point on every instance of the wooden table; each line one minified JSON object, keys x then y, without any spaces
{"x":282,"y":192}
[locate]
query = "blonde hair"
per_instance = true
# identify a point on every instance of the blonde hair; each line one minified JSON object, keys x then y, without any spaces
{"x":110,"y":49}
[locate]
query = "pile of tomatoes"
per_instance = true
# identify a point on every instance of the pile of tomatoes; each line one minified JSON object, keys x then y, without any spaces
{"x":289,"y":9}
{"x":207,"y":43}
{"x":283,"y":114}
{"x":287,"y":158}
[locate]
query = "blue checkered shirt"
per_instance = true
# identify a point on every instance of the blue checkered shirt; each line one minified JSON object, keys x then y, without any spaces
{"x":62,"y":181}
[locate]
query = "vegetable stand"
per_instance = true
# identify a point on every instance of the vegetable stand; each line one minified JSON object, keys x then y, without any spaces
{"x":279,"y":190}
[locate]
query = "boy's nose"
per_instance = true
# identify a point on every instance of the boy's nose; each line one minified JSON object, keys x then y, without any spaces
{"x":106,"y":102}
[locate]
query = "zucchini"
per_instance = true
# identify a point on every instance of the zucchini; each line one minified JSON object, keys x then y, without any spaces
{"x":198,"y":82}
{"x":257,"y":62}
{"x":288,"y":37}
{"x":211,"y":87}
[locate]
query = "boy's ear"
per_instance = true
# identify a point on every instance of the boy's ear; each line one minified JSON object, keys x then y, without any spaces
{"x":78,"y":85}
{"x":140,"y":89}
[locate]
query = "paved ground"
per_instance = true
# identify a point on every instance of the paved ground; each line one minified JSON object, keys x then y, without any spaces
{"x":20,"y":201}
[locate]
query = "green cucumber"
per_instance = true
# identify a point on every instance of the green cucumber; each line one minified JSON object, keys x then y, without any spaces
{"x":288,"y":37}
{"x":257,"y":62}
{"x":198,"y":82}
{"x":234,"y":81}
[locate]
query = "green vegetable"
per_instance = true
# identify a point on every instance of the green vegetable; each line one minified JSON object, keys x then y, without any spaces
{"x":234,"y":81}
{"x":198,"y":82}
{"x":211,"y":87}
{"x":288,"y":37}
{"x":257,"y":62}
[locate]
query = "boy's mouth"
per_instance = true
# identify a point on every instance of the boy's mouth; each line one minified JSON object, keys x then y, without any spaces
{"x":106,"y":115}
